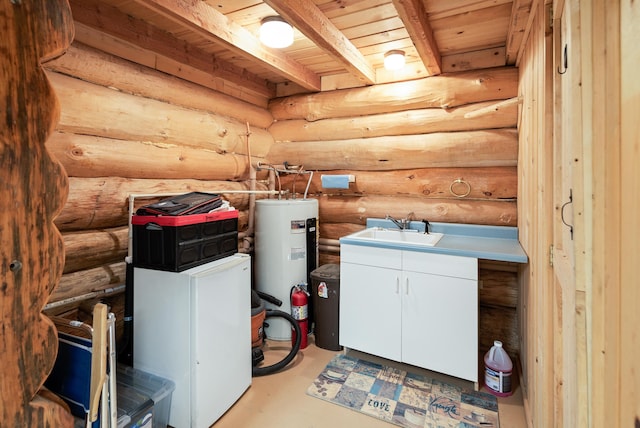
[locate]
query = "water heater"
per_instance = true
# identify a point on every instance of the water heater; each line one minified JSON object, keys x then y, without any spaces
{"x":286,"y":252}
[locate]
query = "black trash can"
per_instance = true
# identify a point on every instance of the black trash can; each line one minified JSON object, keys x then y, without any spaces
{"x":325,"y":282}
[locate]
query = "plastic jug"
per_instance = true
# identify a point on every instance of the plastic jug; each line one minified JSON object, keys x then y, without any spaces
{"x":497,"y":370}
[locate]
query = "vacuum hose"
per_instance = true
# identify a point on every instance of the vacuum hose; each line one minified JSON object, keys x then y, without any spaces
{"x":275,"y":313}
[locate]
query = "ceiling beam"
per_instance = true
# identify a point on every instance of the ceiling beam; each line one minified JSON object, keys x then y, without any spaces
{"x":313,"y":23}
{"x":215,"y":26}
{"x":416,"y":21}
{"x":520,"y":16}
{"x":109,"y":20}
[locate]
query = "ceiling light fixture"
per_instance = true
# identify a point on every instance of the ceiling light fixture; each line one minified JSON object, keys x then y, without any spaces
{"x":275,"y":32}
{"x":394,"y":60}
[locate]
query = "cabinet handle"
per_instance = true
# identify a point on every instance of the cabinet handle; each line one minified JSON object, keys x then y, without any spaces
{"x":397,"y":285}
{"x":407,"y":281}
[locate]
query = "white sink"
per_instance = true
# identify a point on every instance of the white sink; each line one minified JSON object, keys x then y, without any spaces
{"x":401,"y":237}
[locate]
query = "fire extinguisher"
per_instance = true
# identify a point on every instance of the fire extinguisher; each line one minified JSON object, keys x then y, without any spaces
{"x":300,"y":312}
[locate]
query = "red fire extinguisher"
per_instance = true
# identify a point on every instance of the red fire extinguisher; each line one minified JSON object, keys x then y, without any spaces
{"x":300,"y":312}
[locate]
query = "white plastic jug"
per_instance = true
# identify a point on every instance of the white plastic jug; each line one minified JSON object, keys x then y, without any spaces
{"x":497,"y":370}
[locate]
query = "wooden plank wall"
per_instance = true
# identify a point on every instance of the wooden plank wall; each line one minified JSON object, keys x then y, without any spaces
{"x":586,"y":375}
{"x":535,"y":213}
{"x":629,"y":209}
{"x":611,"y":214}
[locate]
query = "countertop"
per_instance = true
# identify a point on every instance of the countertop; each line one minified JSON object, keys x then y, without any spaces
{"x":483,"y":242}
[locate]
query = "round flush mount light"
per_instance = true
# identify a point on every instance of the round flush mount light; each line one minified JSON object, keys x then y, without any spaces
{"x":394,"y":60}
{"x":275,"y":32}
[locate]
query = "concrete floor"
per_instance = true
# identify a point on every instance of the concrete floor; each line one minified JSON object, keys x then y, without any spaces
{"x":280,"y":400}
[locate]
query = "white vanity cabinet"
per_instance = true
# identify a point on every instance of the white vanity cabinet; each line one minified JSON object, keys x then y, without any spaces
{"x":415,"y":307}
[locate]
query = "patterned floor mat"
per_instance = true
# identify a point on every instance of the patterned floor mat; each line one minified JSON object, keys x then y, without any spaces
{"x":402,"y":398}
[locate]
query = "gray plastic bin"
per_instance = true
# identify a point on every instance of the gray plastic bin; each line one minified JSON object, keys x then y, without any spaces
{"x":144,"y":400}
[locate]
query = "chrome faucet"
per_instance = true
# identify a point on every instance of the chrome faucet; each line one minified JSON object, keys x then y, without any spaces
{"x":399,"y":223}
{"x":403,"y":223}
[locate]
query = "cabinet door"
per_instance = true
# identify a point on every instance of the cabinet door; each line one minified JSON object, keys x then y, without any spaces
{"x":440,"y":324}
{"x":370,"y":316}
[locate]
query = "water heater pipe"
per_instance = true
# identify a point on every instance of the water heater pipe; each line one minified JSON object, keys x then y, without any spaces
{"x":99,"y":293}
{"x":252,"y":187}
{"x":327,"y":241}
{"x":287,"y":170}
{"x":329,"y":245}
{"x":248,"y":243}
{"x":329,"y":248}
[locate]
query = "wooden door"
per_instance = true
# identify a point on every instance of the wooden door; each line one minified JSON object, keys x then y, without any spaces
{"x":567,"y":162}
{"x":596,"y":149}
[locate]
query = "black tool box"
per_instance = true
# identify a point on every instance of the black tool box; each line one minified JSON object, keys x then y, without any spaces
{"x":178,"y":243}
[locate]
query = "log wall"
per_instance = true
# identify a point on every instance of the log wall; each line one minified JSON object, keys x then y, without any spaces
{"x":125,"y":129}
{"x":33,"y":187}
{"x":407,"y":153}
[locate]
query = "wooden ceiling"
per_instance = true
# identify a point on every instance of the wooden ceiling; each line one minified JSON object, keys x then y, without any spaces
{"x":338,"y":43}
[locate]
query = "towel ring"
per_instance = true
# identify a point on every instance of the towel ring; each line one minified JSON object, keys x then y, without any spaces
{"x":460,"y":181}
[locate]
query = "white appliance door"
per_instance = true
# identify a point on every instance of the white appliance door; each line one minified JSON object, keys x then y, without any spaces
{"x":220,"y":338}
{"x":161,"y":334}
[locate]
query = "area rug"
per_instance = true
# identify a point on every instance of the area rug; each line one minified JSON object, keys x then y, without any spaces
{"x":402,"y":398}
